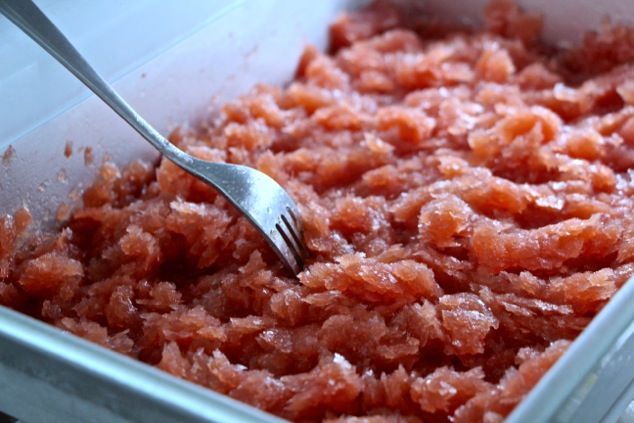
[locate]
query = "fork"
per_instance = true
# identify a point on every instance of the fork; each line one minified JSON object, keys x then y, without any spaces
{"x":258,"y":197}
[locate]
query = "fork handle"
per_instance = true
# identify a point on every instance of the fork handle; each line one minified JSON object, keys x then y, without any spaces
{"x":30,"y":19}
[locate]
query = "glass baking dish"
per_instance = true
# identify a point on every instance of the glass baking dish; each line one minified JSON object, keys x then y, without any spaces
{"x":174,"y":71}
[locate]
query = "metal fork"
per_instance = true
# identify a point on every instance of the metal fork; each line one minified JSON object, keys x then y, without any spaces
{"x":258,"y":197}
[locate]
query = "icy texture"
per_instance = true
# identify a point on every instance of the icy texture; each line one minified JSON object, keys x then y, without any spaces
{"x":468,"y":208}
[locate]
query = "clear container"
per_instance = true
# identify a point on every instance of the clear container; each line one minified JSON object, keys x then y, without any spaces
{"x":175,"y":64}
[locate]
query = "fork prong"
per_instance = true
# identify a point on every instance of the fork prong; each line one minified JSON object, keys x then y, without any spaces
{"x":290,"y":238}
{"x":287,"y":253}
{"x":295,"y":229}
{"x":289,"y":234}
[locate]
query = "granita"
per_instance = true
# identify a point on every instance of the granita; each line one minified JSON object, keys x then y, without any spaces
{"x":467,"y":199}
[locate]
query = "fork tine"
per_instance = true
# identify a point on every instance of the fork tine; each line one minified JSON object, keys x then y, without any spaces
{"x":292,"y":260}
{"x":288,"y":233}
{"x":290,"y":239}
{"x":296,"y":231}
